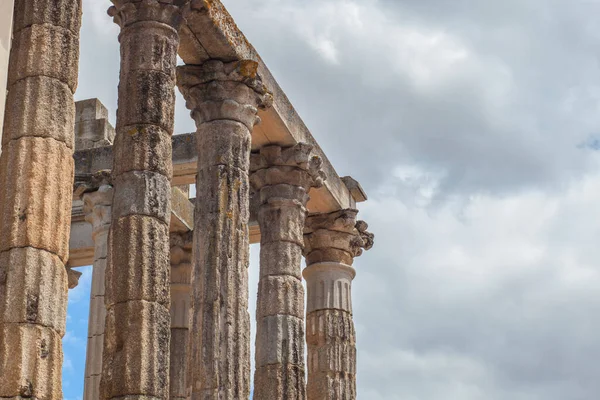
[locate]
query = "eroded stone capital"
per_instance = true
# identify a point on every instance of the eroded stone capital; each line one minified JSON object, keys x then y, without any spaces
{"x":129,"y":12}
{"x":336,"y":237}
{"x":224,"y":91}
{"x":181,"y":248}
{"x":294,"y":166}
{"x":97,"y":207}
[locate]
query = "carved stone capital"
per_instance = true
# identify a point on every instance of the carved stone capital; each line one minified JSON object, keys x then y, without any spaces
{"x":128,"y":12}
{"x":336,"y":237}
{"x":181,"y":248}
{"x":224,"y":91}
{"x":97,"y":207}
{"x":293,"y":166}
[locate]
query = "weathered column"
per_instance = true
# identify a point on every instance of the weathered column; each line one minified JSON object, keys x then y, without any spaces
{"x":36,"y":186}
{"x":224,"y":99}
{"x":282,"y":179}
{"x":181,"y":270}
{"x":136,"y":343}
{"x":332,"y":241}
{"x":97,"y":206}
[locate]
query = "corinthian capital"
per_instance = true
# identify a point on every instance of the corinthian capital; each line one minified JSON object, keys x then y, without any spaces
{"x":294,"y":167}
{"x":336,"y":237}
{"x":97,"y":207}
{"x":128,"y":12}
{"x":218,"y":91}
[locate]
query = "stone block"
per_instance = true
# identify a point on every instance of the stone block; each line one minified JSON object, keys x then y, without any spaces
{"x":276,"y":382}
{"x":98,"y":277}
{"x":329,"y":286}
{"x":36,"y":177}
{"x":94,"y":353}
{"x":30,"y":361}
{"x":33,"y":288}
{"x":223,"y":142}
{"x":97,"y":316}
{"x":143,"y":148}
{"x":280,"y":295}
{"x":280,"y":258}
{"x":282,"y":224}
{"x":44,"y":50}
{"x":286,"y":344}
{"x":136,"y":350}
{"x":178,"y":363}
{"x":331,"y":340}
{"x":62,"y":13}
{"x":139,"y":261}
{"x":90,"y":110}
{"x":228,"y":196}
{"x":142,"y":193}
{"x":39,"y":106}
{"x":150,"y":100}
{"x":94,"y":133}
{"x":150,"y":47}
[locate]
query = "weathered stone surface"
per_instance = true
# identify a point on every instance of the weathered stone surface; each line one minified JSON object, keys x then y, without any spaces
{"x":30,"y":362}
{"x":333,"y":332}
{"x":39,"y":107}
{"x":29,"y":279}
{"x":142,"y":193}
{"x":333,"y":363}
{"x":61,"y":13}
{"x":283,"y":348}
{"x":92,"y":128}
{"x":45,"y":50}
{"x":281,"y":382}
{"x":332,"y":241}
{"x":144,"y":148}
{"x":280,"y":258}
{"x":280,"y":294}
{"x":329,"y":285}
{"x":136,"y":350}
{"x":224,"y":99}
{"x":181,"y":269}
{"x":36,"y":176}
{"x":151,"y":100}
{"x":142,"y":41}
{"x":281,"y":178}
{"x":138,"y":261}
{"x":178,"y":370}
{"x":98,"y":209}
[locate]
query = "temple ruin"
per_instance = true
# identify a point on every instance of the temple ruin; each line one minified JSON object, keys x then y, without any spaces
{"x":169,"y":299}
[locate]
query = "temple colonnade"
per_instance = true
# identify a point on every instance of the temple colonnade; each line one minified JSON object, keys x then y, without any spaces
{"x":169,"y":301}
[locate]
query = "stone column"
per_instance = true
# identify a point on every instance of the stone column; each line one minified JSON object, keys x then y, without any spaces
{"x":282,"y":179}
{"x":136,"y":343}
{"x":181,"y":270}
{"x":332,"y":241}
{"x":97,"y":206}
{"x":36,"y":187}
{"x":224,"y":99}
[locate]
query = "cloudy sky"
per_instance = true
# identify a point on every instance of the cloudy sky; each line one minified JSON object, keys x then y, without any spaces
{"x":474,"y":127}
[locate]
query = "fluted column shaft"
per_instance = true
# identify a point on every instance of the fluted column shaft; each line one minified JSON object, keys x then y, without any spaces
{"x":224,"y":99}
{"x":97,"y":206}
{"x":332,"y":241}
{"x":36,"y":187}
{"x":281,"y":179}
{"x":181,"y":270}
{"x":137,"y":333}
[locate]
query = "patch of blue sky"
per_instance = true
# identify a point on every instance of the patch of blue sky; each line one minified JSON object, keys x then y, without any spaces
{"x":75,"y":340}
